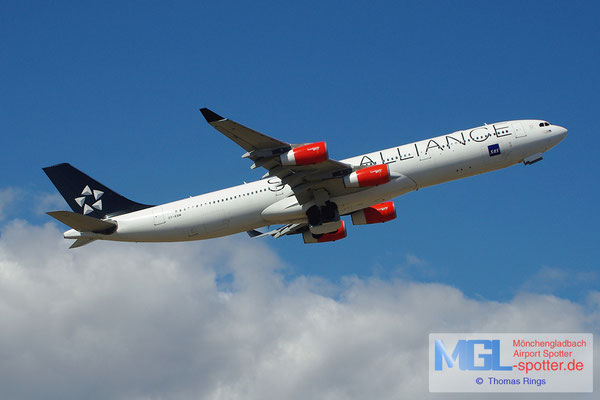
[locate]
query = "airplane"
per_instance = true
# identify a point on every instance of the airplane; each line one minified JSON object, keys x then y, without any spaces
{"x":303,"y":190}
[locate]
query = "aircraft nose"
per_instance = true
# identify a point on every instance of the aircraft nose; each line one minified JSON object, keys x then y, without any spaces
{"x":560,"y":131}
{"x":556,"y":134}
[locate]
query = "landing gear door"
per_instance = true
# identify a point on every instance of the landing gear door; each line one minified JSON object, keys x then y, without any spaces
{"x":518,"y":129}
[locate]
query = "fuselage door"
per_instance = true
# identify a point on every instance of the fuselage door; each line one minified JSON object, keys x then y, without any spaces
{"x":518,"y":129}
{"x":159,"y":216}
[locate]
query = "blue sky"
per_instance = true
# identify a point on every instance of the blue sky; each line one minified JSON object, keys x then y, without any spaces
{"x":115,"y":89}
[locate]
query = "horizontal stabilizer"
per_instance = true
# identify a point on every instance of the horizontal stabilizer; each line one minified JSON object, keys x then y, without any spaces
{"x":81,"y":242}
{"x":83,"y":223}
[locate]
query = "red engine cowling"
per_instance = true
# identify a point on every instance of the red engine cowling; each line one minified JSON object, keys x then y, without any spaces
{"x":327,"y":237}
{"x":370,"y":176}
{"x":375,"y":214}
{"x":313,"y":153}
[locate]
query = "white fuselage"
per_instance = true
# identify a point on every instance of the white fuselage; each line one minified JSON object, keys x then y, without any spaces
{"x":267,"y":202}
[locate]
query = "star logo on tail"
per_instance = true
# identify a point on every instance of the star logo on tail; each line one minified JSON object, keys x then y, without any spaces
{"x":94,"y":196}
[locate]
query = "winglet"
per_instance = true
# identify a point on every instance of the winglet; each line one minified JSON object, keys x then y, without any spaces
{"x":210,"y":116}
{"x":253,"y":233}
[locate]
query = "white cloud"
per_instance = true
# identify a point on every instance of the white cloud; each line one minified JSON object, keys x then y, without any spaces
{"x":412,"y":259}
{"x":127,"y":321}
{"x":44,"y":202}
{"x":553,"y":280}
{"x":20,"y":202}
{"x":8,"y":196}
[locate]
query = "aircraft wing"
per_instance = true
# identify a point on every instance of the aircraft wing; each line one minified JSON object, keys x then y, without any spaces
{"x":265,"y":151}
{"x":248,"y":139}
{"x":289,"y":229}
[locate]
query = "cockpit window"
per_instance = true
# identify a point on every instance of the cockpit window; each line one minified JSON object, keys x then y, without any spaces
{"x":544,"y":124}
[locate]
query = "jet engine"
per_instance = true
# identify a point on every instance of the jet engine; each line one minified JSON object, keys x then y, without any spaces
{"x":369,"y":176}
{"x":377,"y":213}
{"x":326,"y":237}
{"x":313,"y":153}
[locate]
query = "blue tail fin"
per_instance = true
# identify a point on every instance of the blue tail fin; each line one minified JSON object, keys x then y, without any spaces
{"x":86,"y":195}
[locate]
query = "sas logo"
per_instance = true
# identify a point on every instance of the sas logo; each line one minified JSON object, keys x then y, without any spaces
{"x":494,"y":150}
{"x":465,"y":353}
